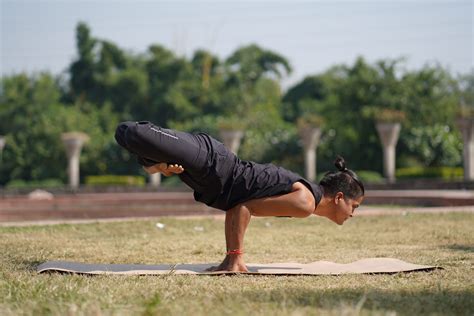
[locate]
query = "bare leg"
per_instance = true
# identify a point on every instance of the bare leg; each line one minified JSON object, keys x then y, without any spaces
{"x":227,"y":228}
{"x":236,"y":222}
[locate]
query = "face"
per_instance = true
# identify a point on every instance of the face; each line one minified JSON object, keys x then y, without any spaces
{"x":344,"y":207}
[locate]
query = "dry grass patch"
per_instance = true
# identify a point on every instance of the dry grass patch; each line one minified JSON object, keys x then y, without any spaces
{"x":438,"y":239}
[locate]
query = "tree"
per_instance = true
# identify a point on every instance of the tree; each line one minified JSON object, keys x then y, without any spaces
{"x":34,"y":120}
{"x":245,"y":67}
{"x":343,"y":95}
{"x":83,"y":81}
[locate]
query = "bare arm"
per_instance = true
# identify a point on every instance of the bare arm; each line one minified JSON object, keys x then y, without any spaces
{"x":298,"y":203}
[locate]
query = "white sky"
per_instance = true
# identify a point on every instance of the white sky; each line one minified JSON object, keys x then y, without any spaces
{"x":312,"y":35}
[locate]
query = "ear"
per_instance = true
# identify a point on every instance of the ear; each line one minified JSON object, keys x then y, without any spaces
{"x":338,"y":197}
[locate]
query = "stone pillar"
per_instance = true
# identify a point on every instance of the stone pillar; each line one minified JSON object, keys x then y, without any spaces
{"x":73,"y":142}
{"x":466,"y":125}
{"x":310,"y":137}
{"x":388,"y":133}
{"x":155,"y":179}
{"x":231,"y":139}
{"x":2,"y":145}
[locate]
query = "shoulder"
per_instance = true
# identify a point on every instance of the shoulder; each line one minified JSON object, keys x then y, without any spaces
{"x":305,"y":195}
{"x":314,"y":189}
{"x":299,"y":186}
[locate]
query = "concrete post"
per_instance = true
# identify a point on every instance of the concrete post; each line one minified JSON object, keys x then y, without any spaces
{"x":466,"y":125}
{"x":155,"y":179}
{"x":310,"y":137}
{"x":388,"y":133}
{"x":2,"y":145}
{"x":73,"y":142}
{"x":231,"y":139}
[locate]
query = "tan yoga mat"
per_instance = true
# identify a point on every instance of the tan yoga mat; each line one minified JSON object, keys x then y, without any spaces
{"x":370,"y":265}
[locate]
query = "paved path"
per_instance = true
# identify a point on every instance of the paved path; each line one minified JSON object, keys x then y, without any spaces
{"x":92,"y":206}
{"x":362,"y":211}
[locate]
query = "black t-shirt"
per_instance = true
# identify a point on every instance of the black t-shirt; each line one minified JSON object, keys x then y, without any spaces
{"x":230,"y":180}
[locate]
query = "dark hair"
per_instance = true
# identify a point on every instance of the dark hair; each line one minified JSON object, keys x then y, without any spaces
{"x":343,"y":180}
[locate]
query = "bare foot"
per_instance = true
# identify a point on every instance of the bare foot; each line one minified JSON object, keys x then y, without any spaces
{"x":165,"y":169}
{"x":232,"y":263}
{"x":220,"y":267}
{"x":237,"y":267}
{"x":175,"y":168}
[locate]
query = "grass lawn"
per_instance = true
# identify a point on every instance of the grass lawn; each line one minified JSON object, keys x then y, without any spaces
{"x":437,"y":239}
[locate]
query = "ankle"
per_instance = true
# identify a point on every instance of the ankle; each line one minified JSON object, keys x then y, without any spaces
{"x":235,"y":252}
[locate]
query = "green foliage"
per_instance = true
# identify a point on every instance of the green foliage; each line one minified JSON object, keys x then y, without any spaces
{"x":309,"y":121}
{"x":252,"y":62}
{"x":368,"y":176}
{"x":33,"y":128}
{"x":445,"y":173}
{"x":115,"y":180}
{"x":435,"y":145}
{"x":466,"y":93}
{"x":206,"y":124}
{"x":382,"y":115}
{"x":231,"y":123}
{"x":344,"y":96}
{"x":45,"y":183}
{"x":202,"y":93}
{"x":303,"y":98}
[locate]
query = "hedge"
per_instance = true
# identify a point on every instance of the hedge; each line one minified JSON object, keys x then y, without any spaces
{"x":23,"y":184}
{"x":366,"y":176}
{"x":369,"y":176}
{"x":446,"y":173}
{"x":115,"y":180}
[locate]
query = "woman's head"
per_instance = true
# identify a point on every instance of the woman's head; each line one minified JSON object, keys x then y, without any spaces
{"x":343,"y":180}
{"x":343,"y":190}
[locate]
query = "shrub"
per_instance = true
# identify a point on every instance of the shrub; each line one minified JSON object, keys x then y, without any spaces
{"x":446,"y":173}
{"x":115,"y":180}
{"x":46,"y":183}
{"x":368,"y":176}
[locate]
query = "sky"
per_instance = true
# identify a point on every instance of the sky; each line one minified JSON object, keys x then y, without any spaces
{"x":313,"y":35}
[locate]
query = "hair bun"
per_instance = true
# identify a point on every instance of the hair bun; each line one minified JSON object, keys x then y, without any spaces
{"x":340,"y":163}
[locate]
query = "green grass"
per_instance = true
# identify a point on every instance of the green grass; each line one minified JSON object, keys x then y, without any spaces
{"x":439,"y":239}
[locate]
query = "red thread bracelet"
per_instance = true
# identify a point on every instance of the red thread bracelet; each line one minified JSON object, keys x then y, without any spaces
{"x":235,"y":252}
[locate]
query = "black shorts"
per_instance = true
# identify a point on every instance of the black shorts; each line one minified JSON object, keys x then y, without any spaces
{"x":206,"y":161}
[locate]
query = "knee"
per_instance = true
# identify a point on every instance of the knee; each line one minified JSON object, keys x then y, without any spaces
{"x":241,"y":208}
{"x":121,"y":132}
{"x":129,"y":135}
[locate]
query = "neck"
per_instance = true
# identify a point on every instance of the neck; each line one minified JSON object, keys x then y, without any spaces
{"x":322,"y":209}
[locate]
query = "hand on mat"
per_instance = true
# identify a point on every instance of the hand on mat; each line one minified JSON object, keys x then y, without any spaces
{"x":233,"y":263}
{"x":165,"y":169}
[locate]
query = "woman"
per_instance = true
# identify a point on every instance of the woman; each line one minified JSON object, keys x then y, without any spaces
{"x":240,"y":188}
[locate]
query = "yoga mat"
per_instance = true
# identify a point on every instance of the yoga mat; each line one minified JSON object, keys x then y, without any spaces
{"x":370,"y":265}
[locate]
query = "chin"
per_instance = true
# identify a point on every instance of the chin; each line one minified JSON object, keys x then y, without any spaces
{"x":338,"y":222}
{"x":341,"y":221}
